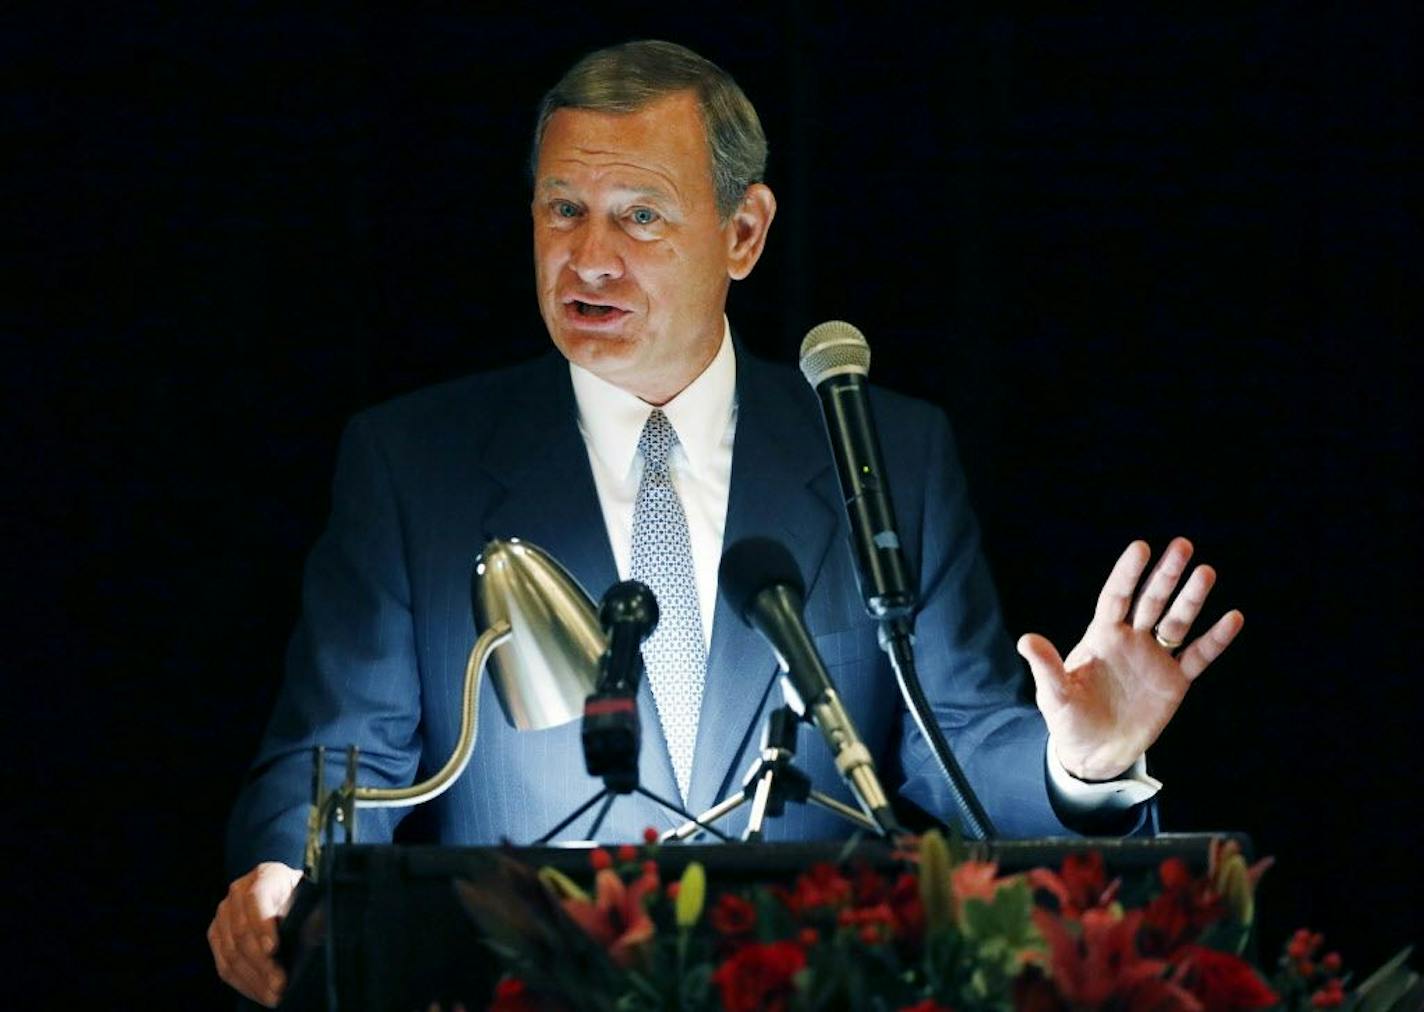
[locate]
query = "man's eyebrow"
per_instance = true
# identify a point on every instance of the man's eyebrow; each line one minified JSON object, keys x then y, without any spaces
{"x":645,"y":191}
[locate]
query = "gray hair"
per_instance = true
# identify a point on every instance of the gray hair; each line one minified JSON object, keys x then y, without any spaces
{"x":625,"y":78}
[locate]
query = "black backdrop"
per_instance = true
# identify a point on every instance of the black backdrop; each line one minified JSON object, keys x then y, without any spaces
{"x":1156,"y":265}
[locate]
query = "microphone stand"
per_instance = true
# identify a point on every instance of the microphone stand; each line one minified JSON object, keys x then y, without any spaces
{"x":897,"y":639}
{"x":611,"y":736}
{"x":618,"y":781}
{"x":772,"y":781}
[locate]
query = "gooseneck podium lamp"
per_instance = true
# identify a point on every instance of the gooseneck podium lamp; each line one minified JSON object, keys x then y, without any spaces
{"x":541,"y":639}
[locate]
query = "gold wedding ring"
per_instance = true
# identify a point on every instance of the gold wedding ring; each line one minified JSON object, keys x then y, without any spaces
{"x":1164,"y":642}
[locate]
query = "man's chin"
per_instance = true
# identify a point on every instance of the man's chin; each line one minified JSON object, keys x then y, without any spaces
{"x":598,"y":352}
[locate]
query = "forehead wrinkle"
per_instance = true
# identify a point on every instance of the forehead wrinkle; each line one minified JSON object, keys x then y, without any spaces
{"x":602,"y":168}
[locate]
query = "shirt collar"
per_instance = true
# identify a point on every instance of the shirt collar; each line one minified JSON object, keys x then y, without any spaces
{"x":611,"y":419}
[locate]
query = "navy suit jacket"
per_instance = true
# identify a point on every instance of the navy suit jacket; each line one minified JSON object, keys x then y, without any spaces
{"x":424,"y":481}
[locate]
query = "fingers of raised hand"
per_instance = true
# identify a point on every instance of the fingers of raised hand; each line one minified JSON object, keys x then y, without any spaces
{"x":1174,"y":626}
{"x":1116,"y":595}
{"x":1046,"y":665}
{"x":1161,"y":584}
{"x":1209,"y":645}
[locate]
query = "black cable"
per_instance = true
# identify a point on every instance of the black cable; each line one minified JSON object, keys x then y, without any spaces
{"x":897,"y":639}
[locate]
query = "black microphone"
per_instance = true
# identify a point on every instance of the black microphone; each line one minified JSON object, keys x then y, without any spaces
{"x":629,"y":613}
{"x":762,"y":583}
{"x":835,"y":359}
{"x":611,"y":734}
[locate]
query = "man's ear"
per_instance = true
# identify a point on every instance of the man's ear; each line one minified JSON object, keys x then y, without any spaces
{"x":747,"y":229}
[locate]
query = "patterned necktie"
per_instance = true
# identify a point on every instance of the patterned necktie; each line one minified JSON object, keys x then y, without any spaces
{"x":675,"y":654}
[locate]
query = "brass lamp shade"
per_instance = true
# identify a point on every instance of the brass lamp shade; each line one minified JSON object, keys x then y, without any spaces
{"x":549,"y":665}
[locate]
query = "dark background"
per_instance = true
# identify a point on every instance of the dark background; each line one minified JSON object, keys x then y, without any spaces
{"x":1158,"y":266}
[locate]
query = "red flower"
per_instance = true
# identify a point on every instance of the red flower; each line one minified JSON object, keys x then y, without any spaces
{"x":512,"y":995}
{"x":600,"y":859}
{"x":1103,"y":965}
{"x":1332,"y":995}
{"x":1174,"y":873}
{"x":650,"y":836}
{"x":1081,"y":884}
{"x":732,"y":916}
{"x":868,"y":885}
{"x":1181,"y":913}
{"x":760,"y":977}
{"x":822,"y":886}
{"x":908,"y":908}
{"x":617,"y":918}
{"x":927,"y":1005}
{"x":974,"y":880}
{"x":875,"y":923}
{"x":1221,"y":980}
{"x":1303,"y":945}
{"x":627,"y":853}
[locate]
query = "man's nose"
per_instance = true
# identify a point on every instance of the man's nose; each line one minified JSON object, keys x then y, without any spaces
{"x":595,"y":256}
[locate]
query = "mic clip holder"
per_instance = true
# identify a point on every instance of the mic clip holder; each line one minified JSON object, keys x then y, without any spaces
{"x":770,"y":783}
{"x":612,"y":738}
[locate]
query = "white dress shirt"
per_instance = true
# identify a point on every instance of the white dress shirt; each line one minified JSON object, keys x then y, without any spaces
{"x":704,"y":416}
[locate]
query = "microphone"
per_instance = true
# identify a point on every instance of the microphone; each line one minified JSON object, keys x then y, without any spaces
{"x":762,"y":583}
{"x":629,"y":613}
{"x":610,"y":731}
{"x":835,"y":359}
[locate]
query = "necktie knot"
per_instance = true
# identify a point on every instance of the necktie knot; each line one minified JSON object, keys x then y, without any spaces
{"x":657,"y":440}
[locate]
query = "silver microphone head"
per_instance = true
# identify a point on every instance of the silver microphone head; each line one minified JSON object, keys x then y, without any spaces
{"x":549,"y":665}
{"x":832,"y":349}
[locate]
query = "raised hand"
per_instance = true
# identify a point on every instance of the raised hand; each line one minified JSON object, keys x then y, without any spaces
{"x":1118,"y":688}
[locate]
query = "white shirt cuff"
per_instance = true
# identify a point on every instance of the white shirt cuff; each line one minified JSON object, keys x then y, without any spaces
{"x":1084,"y":797}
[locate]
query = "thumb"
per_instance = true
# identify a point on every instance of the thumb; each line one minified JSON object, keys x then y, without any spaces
{"x":1046,"y":666}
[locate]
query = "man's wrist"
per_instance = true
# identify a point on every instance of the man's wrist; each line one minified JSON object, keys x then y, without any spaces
{"x":1085,"y":797}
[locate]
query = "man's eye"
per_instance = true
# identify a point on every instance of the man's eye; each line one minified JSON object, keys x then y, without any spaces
{"x":565,"y":209}
{"x":643,"y":216}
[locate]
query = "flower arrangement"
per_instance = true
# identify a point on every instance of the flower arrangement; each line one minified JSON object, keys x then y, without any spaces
{"x":938,"y":933}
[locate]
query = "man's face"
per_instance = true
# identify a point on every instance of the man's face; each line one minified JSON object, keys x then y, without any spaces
{"x":631,"y":261}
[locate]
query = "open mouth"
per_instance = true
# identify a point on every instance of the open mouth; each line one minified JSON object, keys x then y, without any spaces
{"x":599,"y":314}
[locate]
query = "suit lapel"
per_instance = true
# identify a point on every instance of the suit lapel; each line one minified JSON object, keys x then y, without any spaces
{"x":541,"y":460}
{"x":782,"y":487}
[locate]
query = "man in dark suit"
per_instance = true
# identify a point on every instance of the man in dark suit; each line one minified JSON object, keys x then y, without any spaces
{"x":648,"y":443}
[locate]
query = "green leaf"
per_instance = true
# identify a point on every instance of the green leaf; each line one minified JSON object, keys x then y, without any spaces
{"x":1387,"y":985}
{"x":1009,"y":917}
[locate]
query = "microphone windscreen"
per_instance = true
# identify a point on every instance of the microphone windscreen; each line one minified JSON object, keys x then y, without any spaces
{"x":832,"y":349}
{"x":752,"y":565}
{"x":629,"y":601}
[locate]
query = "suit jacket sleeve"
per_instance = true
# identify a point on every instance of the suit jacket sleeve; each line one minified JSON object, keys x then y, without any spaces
{"x":351,"y":669}
{"x":976,"y":684}
{"x":969,"y":670}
